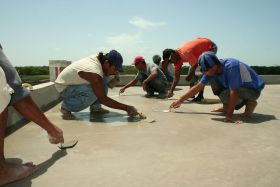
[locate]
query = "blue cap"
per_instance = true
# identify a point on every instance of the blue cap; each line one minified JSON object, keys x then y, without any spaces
{"x":116,"y":59}
{"x":207,"y":60}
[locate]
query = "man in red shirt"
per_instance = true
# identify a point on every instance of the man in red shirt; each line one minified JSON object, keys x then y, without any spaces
{"x":188,"y":52}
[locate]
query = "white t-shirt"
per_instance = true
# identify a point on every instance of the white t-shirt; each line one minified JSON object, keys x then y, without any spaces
{"x":70,"y":76}
{"x":5,"y":91}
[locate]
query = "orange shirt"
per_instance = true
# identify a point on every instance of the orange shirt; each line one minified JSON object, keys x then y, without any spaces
{"x":191,"y":50}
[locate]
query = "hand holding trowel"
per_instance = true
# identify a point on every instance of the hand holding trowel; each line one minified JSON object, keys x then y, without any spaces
{"x":175,"y":104}
{"x":58,"y":138}
{"x":136,"y":113}
{"x":68,"y":144}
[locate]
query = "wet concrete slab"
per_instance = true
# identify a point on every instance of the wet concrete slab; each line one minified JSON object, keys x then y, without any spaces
{"x":189,"y":146}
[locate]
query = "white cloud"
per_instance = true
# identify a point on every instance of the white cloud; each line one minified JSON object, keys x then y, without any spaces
{"x":132,"y":44}
{"x":56,"y":49}
{"x":125,"y":39}
{"x":144,"y":24}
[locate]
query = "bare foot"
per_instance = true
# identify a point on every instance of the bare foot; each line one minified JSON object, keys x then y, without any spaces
{"x":220,"y":109}
{"x":249,"y":109}
{"x":13,"y":172}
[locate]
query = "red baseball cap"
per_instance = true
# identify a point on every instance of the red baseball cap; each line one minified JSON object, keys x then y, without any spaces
{"x":137,"y":59}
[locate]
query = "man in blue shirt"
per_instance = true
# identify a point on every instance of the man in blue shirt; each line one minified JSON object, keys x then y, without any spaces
{"x":235,"y":83}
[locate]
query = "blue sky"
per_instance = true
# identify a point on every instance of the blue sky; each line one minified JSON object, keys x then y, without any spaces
{"x":33,"y":32}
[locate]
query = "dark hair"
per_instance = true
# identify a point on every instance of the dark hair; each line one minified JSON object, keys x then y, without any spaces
{"x":101,"y":57}
{"x":167,"y":53}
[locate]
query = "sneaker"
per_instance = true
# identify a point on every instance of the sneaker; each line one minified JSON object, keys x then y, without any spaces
{"x":99,"y":111}
{"x":162,"y":95}
{"x":149,"y":95}
{"x":198,"y":99}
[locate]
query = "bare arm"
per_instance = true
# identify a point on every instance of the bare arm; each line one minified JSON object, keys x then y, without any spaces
{"x":191,"y":72}
{"x":174,"y":83}
{"x":153,"y":75}
{"x":231,"y":105}
{"x":191,"y":92}
{"x":164,"y":67}
{"x":131,"y":83}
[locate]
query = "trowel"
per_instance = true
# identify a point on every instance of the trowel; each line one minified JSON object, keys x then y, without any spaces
{"x":68,"y":144}
{"x":144,"y":117}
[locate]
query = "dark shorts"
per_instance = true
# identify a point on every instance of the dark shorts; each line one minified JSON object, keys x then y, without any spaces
{"x":244,"y":94}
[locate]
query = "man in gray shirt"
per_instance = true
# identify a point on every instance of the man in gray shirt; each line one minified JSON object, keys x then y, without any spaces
{"x":152,"y":78}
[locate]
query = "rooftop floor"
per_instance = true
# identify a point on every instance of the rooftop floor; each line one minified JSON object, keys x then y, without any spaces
{"x":187,"y":147}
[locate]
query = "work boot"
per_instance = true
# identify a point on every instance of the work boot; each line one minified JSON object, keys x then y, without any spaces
{"x":162,"y":95}
{"x":149,"y":95}
{"x":67,"y":115}
{"x":198,"y":99}
{"x":99,"y":111}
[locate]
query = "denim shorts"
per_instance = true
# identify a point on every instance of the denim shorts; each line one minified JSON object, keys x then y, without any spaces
{"x":13,"y":79}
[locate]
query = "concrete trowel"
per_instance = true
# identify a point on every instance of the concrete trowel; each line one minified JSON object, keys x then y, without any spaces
{"x":68,"y":144}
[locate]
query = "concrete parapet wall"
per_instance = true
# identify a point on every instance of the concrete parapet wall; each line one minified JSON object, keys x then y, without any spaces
{"x":268,"y":79}
{"x":271,"y":79}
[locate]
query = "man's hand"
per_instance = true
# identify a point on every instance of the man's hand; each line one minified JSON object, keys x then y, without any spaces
{"x":132,"y":111}
{"x":175,"y":104}
{"x":122,"y":90}
{"x":170,"y":94}
{"x":56,"y":136}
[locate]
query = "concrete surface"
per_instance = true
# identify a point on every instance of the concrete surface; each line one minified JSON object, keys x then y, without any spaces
{"x":187,"y":147}
{"x":46,"y":96}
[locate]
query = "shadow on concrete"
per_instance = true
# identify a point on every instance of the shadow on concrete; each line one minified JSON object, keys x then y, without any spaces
{"x":258,"y":118}
{"x":129,"y":94}
{"x":108,"y":118}
{"x":204,"y":102}
{"x":177,"y":89}
{"x":208,"y":113}
{"x":42,"y":168}
{"x":254,"y":119}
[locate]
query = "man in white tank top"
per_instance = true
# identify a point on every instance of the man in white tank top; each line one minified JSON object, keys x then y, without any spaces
{"x":83,"y":84}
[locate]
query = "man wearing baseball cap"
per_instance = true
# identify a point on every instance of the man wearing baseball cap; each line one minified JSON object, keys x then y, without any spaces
{"x":83,"y":84}
{"x":235,"y":83}
{"x":152,"y":78}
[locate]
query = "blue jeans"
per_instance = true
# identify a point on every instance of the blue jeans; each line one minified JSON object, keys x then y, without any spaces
{"x":79,"y":97}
